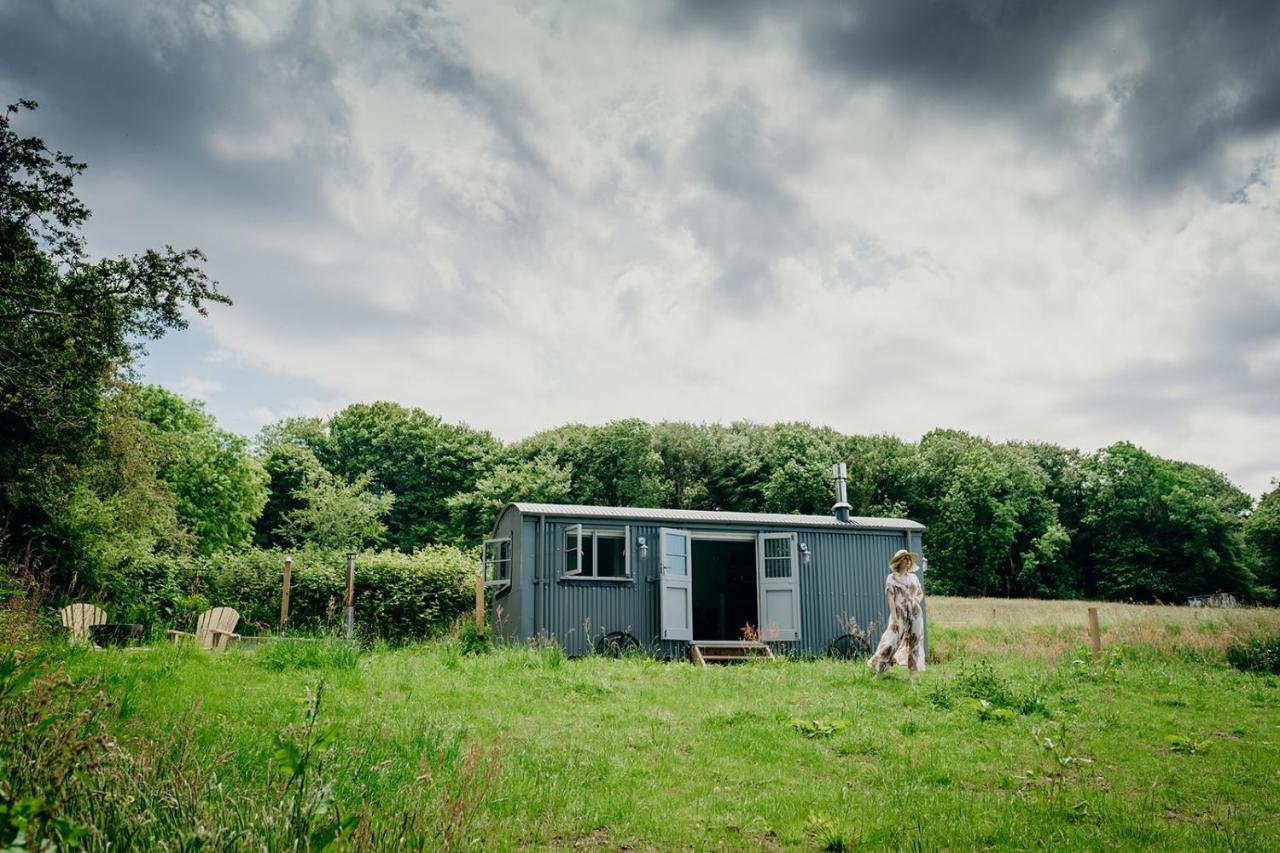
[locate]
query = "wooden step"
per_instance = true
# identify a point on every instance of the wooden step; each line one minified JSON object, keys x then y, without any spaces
{"x":728,"y":651}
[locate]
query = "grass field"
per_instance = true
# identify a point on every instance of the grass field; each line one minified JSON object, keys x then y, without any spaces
{"x":954,"y":612}
{"x":1155,"y":743}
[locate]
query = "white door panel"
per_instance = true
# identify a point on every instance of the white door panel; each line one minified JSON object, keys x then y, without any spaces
{"x":675,"y":581}
{"x":779,"y":578}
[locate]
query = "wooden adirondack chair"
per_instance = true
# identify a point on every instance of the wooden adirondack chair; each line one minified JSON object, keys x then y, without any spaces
{"x":79,"y":618}
{"x":214,"y":629}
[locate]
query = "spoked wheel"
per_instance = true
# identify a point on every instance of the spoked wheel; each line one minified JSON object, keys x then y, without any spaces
{"x":849,"y":646}
{"x":617,"y":644}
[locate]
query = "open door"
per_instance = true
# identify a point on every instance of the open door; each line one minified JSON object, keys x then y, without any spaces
{"x":779,"y":587}
{"x":675,"y":587}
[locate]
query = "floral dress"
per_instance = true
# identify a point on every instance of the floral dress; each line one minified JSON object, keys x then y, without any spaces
{"x":905,"y":645}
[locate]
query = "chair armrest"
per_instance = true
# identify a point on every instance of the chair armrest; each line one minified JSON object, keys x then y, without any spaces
{"x":176,"y":635}
{"x":221,"y":639}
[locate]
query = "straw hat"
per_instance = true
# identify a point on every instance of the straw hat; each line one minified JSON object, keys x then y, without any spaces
{"x":902,"y":556}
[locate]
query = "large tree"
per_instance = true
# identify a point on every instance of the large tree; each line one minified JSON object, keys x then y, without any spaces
{"x":1156,"y":529}
{"x":992,"y":529}
{"x":796,"y":470}
{"x":110,"y":513}
{"x":539,"y":480}
{"x":68,"y":324}
{"x":289,"y":451}
{"x":417,"y":457}
{"x":1262,"y":538}
{"x":335,"y":515}
{"x":220,"y":489}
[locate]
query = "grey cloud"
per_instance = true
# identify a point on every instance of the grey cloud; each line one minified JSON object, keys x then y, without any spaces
{"x":1237,"y":323}
{"x":438,"y":67}
{"x":127,"y":91}
{"x":745,"y":217}
{"x":1212,"y":76}
{"x":139,"y":94}
{"x":1243,"y":314}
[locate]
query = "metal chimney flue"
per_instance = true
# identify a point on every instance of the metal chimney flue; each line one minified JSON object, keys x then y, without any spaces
{"x":841,"y":508}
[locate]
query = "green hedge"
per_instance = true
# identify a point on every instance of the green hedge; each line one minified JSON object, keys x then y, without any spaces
{"x":398,"y":596}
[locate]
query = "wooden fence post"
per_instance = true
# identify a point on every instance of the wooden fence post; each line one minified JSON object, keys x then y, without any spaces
{"x":284,"y":594}
{"x":349,"y":602}
{"x":1095,"y":637}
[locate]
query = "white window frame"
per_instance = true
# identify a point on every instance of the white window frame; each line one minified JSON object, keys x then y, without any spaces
{"x":577,"y":531}
{"x":573,"y":531}
{"x":491,"y":562}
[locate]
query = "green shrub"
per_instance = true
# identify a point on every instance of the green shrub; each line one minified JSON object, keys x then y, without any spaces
{"x":979,"y":680}
{"x":471,"y":641}
{"x":399,"y":597}
{"x":1259,"y":655}
{"x":979,"y":686}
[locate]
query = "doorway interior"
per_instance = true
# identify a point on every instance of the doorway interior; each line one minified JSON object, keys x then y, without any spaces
{"x":724,"y":589}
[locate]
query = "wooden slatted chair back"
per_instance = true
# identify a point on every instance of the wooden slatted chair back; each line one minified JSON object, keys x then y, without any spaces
{"x":215,"y":619}
{"x":79,"y":618}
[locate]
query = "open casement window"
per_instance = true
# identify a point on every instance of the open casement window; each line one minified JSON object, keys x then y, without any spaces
{"x":779,"y":587}
{"x":496,"y":562}
{"x":573,"y":551}
{"x":597,"y":554}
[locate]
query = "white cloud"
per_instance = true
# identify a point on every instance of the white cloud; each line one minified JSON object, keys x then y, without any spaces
{"x":200,"y":387}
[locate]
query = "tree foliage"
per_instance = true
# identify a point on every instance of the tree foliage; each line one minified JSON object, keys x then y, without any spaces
{"x":220,"y":490}
{"x":417,"y":457}
{"x":1156,"y":529}
{"x":111,"y":514}
{"x":68,"y":327}
{"x":992,"y":529}
{"x":335,"y":515}
{"x":538,"y":480}
{"x":66,"y":323}
{"x":1262,"y":538}
{"x":289,"y":468}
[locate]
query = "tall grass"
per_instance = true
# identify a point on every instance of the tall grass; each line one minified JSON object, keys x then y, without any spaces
{"x":303,"y":745}
{"x":1206,"y":638}
{"x":955,"y":612}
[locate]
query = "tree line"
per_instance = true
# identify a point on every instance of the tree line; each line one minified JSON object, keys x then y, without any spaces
{"x":101,"y":478}
{"x":1005,"y":518}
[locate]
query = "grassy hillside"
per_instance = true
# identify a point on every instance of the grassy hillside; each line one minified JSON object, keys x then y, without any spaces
{"x":1153,"y":744}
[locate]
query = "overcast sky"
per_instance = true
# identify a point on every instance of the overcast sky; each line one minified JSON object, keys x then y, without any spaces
{"x":1037,"y":220}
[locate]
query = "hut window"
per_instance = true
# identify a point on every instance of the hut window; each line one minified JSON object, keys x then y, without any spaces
{"x":777,"y":557}
{"x":600,"y":554}
{"x":496,"y":559}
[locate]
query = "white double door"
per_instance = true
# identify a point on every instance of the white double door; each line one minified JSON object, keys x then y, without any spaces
{"x":777,"y":576}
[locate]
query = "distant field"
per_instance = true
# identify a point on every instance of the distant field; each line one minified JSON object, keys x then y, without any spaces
{"x":956,"y":612}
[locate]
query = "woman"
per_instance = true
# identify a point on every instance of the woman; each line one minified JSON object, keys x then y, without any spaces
{"x":903,"y":641}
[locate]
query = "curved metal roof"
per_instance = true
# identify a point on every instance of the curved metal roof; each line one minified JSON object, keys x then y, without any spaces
{"x":697,"y":516}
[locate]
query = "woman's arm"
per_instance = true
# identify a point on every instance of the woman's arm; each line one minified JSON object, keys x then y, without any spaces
{"x":893,"y":611}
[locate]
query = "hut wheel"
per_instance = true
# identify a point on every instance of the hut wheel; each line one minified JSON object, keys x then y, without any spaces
{"x":617,"y":644}
{"x":849,"y":646}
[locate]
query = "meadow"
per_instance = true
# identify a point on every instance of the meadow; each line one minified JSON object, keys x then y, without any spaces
{"x":1014,"y":738}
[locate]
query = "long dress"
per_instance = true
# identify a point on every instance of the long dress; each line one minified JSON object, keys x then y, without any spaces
{"x":904,"y":646}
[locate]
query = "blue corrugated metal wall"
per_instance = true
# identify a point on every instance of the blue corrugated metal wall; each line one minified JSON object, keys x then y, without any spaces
{"x":843,"y":581}
{"x":577,"y":612}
